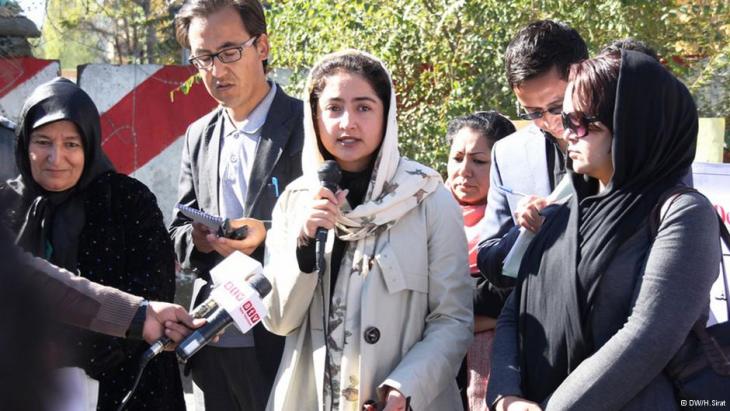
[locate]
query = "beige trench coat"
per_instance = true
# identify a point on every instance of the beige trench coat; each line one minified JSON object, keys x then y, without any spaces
{"x":418,"y":294}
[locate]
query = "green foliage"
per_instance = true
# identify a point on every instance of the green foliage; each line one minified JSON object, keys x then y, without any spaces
{"x":60,"y":41}
{"x":446,"y":56}
{"x":108,"y":31}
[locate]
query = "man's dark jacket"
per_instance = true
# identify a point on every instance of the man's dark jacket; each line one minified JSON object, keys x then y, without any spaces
{"x":277,"y":163}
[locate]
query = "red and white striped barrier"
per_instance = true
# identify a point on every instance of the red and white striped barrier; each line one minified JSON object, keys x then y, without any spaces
{"x":19,"y":77}
{"x":142,"y":125}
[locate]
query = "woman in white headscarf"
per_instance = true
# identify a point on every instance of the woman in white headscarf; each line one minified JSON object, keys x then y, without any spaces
{"x":395,"y":287}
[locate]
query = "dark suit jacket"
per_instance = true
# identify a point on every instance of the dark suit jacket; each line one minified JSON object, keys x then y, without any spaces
{"x":278,"y":155}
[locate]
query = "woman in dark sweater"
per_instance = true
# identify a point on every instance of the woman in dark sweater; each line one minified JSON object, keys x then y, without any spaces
{"x":70,"y":207}
{"x":602,"y":305}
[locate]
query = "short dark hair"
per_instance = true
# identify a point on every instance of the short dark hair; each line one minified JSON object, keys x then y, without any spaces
{"x":630,"y":43}
{"x":250,"y":11}
{"x":539,"y":47}
{"x":351,"y":62}
{"x":594,"y":86}
{"x":488,"y":124}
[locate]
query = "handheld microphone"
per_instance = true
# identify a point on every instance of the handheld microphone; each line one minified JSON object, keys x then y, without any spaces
{"x":232,"y":269}
{"x":329,"y":176}
{"x":239,"y":302}
{"x":201,"y":311}
{"x":233,"y":300}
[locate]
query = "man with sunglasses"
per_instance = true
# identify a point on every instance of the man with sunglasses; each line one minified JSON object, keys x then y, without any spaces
{"x":528,"y":164}
{"x":235,"y":162}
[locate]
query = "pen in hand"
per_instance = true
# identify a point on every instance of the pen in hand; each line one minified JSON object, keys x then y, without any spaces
{"x":508,"y":190}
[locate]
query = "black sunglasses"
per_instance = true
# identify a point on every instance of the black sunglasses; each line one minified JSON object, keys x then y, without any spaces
{"x":577,"y":123}
{"x":534,"y":115}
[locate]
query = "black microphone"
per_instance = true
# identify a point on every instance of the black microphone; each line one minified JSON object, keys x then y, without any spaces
{"x":204,"y":310}
{"x":329,"y":176}
{"x":236,"y":302}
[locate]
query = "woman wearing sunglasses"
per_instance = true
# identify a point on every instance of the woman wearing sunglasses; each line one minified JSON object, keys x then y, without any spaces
{"x":601,"y":305}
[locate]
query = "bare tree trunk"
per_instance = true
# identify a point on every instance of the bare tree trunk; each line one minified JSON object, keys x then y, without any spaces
{"x":151,"y":35}
{"x":129,"y":40}
{"x":135,"y":45}
{"x":118,"y":48}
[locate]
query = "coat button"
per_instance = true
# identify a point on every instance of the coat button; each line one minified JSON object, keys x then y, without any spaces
{"x":371,"y":335}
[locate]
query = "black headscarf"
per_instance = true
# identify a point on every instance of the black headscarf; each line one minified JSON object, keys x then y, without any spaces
{"x":54,"y":220}
{"x":653,"y":146}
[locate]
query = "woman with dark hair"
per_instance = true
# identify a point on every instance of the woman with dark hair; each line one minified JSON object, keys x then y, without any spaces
{"x":602,"y":305}
{"x":70,"y":207}
{"x":395,"y":288}
{"x":471,"y":138}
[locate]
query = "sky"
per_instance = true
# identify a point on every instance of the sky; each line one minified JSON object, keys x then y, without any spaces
{"x":34,"y":10}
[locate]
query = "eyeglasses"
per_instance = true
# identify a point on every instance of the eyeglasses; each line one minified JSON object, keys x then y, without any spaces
{"x":534,"y":115}
{"x":577,"y":123}
{"x":227,"y":55}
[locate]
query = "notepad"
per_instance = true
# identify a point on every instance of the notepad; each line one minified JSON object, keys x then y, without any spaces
{"x":201,"y":217}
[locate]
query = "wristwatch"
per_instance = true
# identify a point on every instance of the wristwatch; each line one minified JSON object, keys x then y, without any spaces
{"x":136,"y":327}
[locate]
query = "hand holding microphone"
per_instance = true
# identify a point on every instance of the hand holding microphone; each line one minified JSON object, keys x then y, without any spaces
{"x":237,"y":299}
{"x":240,"y":303}
{"x":236,"y":272}
{"x":327,"y":200}
{"x":325,"y":208}
{"x":169,"y":321}
{"x":329,"y":176}
{"x":177,"y":323}
{"x":323,"y":212}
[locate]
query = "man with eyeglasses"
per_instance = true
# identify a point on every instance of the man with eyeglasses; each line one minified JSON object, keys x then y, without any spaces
{"x":528,"y":164}
{"x":235,"y":162}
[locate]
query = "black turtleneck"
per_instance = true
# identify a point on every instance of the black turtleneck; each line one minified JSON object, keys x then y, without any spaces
{"x":357,"y":184}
